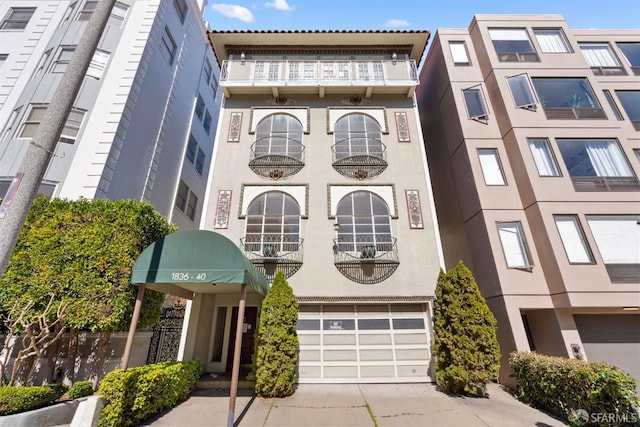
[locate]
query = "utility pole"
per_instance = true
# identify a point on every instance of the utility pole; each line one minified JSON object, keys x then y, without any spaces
{"x":24,"y":188}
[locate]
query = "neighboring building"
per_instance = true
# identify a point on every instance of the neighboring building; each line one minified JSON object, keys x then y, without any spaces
{"x":533,"y":141}
{"x":319,"y":151}
{"x":142,"y":126}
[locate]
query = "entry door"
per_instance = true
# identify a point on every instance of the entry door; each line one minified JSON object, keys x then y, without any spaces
{"x":249,"y":328}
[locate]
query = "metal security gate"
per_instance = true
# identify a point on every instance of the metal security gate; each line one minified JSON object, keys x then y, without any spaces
{"x":342,"y":343}
{"x":166,"y":335}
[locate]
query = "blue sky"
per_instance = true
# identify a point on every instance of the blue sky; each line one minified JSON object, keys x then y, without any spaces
{"x":407,"y":14}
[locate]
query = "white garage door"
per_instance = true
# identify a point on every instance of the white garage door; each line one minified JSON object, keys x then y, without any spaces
{"x":364,"y":343}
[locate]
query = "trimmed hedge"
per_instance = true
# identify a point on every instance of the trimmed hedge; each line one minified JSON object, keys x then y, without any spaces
{"x":131,"y":396}
{"x":80,"y":389}
{"x":465,"y":346}
{"x":564,"y":386}
{"x":14,"y":400}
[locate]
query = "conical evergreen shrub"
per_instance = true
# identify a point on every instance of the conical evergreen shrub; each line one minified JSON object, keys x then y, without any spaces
{"x":465,"y":347}
{"x":276,"y":354}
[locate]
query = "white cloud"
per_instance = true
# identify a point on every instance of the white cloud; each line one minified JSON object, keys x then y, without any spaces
{"x":279,"y":4}
{"x":233,"y":11}
{"x":396,"y":23}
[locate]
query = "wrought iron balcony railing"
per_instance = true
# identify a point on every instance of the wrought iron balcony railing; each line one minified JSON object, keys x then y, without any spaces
{"x":366,"y":260}
{"x":276,"y":157}
{"x":319,"y":72}
{"x":273,"y":252}
{"x":359,"y":157}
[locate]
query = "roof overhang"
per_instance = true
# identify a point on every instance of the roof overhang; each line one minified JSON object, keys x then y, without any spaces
{"x":196,"y":261}
{"x":414,"y":42}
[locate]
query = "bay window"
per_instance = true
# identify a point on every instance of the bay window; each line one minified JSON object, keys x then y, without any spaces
{"x":597,"y":165}
{"x":567,"y":98}
{"x":630,"y":100}
{"x":631,"y":52}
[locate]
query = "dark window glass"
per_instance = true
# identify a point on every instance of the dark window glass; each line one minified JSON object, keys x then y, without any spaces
{"x":408,"y":323}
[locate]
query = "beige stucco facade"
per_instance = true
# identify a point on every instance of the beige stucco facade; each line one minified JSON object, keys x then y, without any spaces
{"x":572,"y":296}
{"x":364,"y":317}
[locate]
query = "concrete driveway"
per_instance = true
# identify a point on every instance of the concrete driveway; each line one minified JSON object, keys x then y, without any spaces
{"x":375,"y":405}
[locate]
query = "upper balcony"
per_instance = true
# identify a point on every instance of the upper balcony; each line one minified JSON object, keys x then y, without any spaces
{"x":283,"y":77}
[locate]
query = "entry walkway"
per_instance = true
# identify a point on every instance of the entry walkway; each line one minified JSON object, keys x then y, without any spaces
{"x":358,"y":405}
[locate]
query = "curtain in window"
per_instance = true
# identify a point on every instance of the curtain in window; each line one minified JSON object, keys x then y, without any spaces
{"x":617,"y":238}
{"x":545,"y":162}
{"x":607,"y":159}
{"x":599,"y":55}
{"x":551,"y":41}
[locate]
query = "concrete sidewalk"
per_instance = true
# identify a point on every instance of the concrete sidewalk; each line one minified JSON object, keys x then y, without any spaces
{"x":337,"y":405}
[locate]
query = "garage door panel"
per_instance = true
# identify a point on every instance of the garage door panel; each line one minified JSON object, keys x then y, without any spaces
{"x":380,"y":354}
{"x":305,"y":339}
{"x":340,"y":371}
{"x":384,"y":371}
{"x":412,"y":354}
{"x":374,"y":339}
{"x":339,"y":339}
{"x":370,"y":343}
{"x":411,"y":338}
{"x":413,"y":370}
{"x":340,"y":355}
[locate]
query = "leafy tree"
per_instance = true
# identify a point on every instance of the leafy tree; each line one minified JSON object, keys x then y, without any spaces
{"x":277,"y":342}
{"x":82,"y":252}
{"x":466,"y":347}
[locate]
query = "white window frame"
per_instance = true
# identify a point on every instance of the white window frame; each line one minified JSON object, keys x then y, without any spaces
{"x":118,"y":14}
{"x":544,"y":157}
{"x":85,"y":13}
{"x":198,"y":164}
{"x":192,"y":206}
{"x":181,"y":9}
{"x":491,"y":166}
{"x":21,"y":23}
{"x":514,"y":245}
{"x":60,"y":64}
{"x":481,"y":101}
{"x":182,"y":194}
{"x":459,"y":53}
{"x":522,"y":83}
{"x":552,"y":43}
{"x":69,"y":131}
{"x":573,"y":239}
{"x":168,"y":46}
{"x":98,"y":64}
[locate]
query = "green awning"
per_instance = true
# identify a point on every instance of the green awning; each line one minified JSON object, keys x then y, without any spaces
{"x":196,"y":257}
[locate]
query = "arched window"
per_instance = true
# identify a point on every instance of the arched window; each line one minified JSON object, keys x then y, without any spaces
{"x":357,"y":134}
{"x":273,"y":224}
{"x":279,"y":134}
{"x":364,"y":222}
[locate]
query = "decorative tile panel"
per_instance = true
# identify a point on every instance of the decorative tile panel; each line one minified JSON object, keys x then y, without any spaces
{"x":222,"y":209}
{"x":414,"y":208}
{"x":235,"y":122}
{"x":403,"y":127}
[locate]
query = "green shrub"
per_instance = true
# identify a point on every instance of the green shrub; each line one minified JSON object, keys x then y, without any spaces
{"x":20,"y":399}
{"x":465,"y":344}
{"x":131,"y":396}
{"x":277,"y":342}
{"x":563,"y":386}
{"x":80,"y":389}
